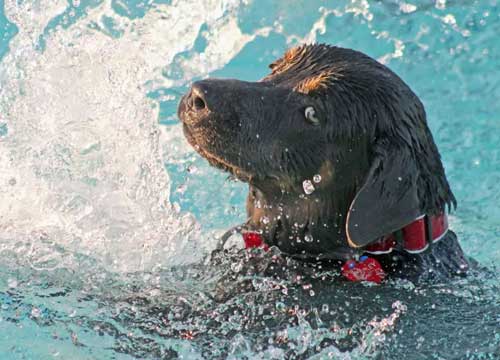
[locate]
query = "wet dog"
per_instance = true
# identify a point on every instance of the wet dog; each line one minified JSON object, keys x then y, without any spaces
{"x":339,"y":160}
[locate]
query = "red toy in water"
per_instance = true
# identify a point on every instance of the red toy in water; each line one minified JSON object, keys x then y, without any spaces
{"x":366,"y":269}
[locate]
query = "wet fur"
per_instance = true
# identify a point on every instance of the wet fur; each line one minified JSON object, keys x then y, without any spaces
{"x":376,"y":156}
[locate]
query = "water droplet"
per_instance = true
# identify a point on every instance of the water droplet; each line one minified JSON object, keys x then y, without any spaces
{"x":400,"y":178}
{"x":35,"y":312}
{"x":308,"y":238}
{"x":407,"y":8}
{"x":308,"y":187}
{"x":236,"y":267}
{"x":440,"y":4}
{"x":317,"y":178}
{"x":181,"y":188}
{"x":264,"y":219}
{"x":280,"y":306}
{"x":192,"y":169}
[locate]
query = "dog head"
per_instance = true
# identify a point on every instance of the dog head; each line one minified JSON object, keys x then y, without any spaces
{"x":329,"y":131}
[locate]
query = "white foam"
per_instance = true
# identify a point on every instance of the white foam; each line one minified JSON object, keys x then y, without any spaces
{"x":81,"y":164}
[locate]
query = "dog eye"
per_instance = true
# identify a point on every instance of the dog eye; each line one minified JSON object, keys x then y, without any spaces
{"x":310,"y":115}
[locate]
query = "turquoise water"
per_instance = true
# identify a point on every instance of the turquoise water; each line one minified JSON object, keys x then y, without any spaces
{"x":106,"y":214}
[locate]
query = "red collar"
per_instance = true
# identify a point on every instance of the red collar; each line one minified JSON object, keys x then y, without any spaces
{"x":413,"y":238}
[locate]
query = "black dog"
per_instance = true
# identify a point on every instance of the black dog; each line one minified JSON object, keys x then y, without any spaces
{"x":338,"y":157}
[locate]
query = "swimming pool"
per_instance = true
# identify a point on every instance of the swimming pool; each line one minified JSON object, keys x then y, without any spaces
{"x":106,"y":213}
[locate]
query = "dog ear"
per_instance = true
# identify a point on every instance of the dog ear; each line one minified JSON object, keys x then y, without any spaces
{"x":388,"y":199}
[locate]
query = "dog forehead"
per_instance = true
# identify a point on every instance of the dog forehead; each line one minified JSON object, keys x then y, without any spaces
{"x":300,"y":58}
{"x":308,"y":69}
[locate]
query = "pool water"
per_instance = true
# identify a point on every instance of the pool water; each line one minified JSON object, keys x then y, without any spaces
{"x":107,"y":216}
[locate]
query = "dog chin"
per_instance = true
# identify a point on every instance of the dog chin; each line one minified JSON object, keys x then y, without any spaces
{"x":213,"y":158}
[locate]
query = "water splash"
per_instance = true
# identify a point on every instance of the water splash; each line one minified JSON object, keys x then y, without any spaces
{"x":83,"y":164}
{"x":84,"y":190}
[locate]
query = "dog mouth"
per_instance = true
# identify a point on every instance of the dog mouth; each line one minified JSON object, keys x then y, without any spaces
{"x":197,"y":139}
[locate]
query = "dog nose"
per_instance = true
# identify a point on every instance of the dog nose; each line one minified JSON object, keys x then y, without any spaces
{"x":198,"y":97}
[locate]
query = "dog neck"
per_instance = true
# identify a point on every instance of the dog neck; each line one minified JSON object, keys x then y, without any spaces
{"x":300,"y":223}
